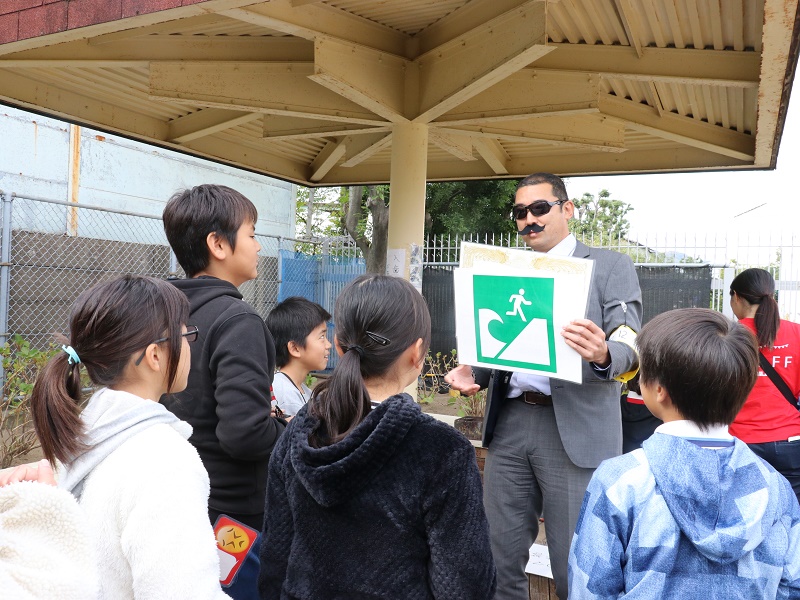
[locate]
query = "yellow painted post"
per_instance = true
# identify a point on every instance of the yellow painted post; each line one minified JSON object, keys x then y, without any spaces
{"x":407,"y":206}
{"x":407,"y":200}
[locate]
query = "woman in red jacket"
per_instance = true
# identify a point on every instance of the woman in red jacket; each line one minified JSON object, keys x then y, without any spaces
{"x":768,"y":423}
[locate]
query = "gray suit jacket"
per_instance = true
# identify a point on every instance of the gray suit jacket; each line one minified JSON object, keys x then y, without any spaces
{"x":588,"y":415}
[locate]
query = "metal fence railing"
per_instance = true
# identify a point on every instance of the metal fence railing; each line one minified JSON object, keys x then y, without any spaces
{"x":724,"y":253}
{"x":52,"y":250}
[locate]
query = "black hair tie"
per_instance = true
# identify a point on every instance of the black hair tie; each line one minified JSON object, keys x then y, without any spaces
{"x":357,"y":348}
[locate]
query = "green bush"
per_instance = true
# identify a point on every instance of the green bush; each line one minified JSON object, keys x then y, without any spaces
{"x":21,"y":364}
{"x":431,"y":380}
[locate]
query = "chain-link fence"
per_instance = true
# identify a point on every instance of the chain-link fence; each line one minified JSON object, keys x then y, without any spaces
{"x":53,"y":250}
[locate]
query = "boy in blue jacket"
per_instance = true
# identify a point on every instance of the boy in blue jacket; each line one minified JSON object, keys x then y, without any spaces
{"x":693,"y":513}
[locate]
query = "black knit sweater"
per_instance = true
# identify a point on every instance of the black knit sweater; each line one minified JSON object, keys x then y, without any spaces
{"x":393,"y":511}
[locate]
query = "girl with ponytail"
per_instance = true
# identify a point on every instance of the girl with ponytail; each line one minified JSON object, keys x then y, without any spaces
{"x":768,"y":423}
{"x":125,"y":457}
{"x":366,"y":495}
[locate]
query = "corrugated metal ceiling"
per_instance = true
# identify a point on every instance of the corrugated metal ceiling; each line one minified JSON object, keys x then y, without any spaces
{"x":721,"y":29}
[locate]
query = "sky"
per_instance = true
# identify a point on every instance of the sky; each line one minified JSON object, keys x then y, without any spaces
{"x":702,"y":202}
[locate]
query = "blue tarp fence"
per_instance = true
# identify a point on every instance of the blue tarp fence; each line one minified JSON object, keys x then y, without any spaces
{"x":319,"y":278}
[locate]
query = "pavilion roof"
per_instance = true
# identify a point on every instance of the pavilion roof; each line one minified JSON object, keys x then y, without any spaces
{"x":311,"y":90}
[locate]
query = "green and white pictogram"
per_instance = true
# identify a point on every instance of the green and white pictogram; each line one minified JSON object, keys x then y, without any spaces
{"x":511,"y":305}
{"x":514,"y":321}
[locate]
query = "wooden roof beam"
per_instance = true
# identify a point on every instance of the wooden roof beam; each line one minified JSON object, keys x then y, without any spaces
{"x":170,"y":48}
{"x":28,"y":93}
{"x":457,"y":70}
{"x":55,"y":63}
{"x":683,"y":130}
{"x":367,"y":77}
{"x":655,"y":160}
{"x":327,"y":159}
{"x":726,"y":68}
{"x":273,"y":88}
{"x":459,"y":146}
{"x":207,"y":122}
{"x":247,"y":157}
{"x":464,"y":19}
{"x":527,"y":94}
{"x":493,"y":153}
{"x":280,"y":15}
{"x":605,"y":135}
{"x":287,"y":128}
{"x":362,"y":147}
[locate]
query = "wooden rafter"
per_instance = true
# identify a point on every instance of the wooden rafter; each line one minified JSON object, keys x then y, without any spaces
{"x":314,"y":21}
{"x":286,"y":128}
{"x":207,"y":122}
{"x":326,"y":159}
{"x":274,"y":88}
{"x":683,"y":130}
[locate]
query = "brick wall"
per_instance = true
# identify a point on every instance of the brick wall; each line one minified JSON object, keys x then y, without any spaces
{"x":24,"y":19}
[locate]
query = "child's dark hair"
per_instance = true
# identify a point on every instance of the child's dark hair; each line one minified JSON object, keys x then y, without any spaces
{"x":292,"y":321}
{"x":707,"y":363}
{"x":756,"y":286}
{"x":190,"y":215}
{"x":377,"y":318}
{"x":108,"y":324}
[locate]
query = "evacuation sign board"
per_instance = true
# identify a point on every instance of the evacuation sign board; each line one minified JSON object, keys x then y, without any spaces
{"x":511,"y":306}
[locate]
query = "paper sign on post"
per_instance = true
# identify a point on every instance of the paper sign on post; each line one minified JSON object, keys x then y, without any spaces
{"x":511,"y":305}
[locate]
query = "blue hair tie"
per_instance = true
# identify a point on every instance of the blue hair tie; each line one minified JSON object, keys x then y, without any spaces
{"x":73,"y":359}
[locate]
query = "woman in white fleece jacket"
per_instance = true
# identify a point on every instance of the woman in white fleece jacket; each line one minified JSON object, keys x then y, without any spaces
{"x":125,"y":457}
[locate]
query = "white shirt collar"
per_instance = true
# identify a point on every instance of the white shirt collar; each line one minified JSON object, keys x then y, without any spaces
{"x":690,"y":429}
{"x":565,"y":247}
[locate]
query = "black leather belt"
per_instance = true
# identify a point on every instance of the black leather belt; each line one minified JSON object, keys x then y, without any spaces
{"x":534,"y":398}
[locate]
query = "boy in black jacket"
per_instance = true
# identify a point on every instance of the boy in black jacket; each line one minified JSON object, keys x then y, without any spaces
{"x":211,"y":229}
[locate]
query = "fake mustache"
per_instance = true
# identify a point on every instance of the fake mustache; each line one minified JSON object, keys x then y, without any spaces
{"x":532,"y":229}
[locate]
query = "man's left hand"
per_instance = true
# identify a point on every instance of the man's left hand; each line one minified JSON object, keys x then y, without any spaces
{"x":588,"y":340}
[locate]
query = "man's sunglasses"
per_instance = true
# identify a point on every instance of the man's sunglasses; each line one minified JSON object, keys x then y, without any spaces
{"x":537,"y":209}
{"x":190,"y":334}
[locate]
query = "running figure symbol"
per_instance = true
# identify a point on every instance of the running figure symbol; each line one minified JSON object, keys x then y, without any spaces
{"x":519,"y":300}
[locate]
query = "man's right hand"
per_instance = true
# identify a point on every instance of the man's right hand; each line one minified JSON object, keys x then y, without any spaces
{"x":461,"y":379}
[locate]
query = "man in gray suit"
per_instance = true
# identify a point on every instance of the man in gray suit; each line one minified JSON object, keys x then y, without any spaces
{"x":547,"y":435}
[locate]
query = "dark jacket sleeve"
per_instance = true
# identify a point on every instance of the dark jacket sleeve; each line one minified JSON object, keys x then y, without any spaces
{"x":242,"y":364}
{"x":482,"y":376}
{"x":278,"y":531}
{"x":461,"y":564}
